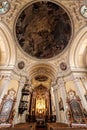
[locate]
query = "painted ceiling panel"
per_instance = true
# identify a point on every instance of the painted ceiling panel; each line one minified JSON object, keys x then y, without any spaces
{"x":43,"y":30}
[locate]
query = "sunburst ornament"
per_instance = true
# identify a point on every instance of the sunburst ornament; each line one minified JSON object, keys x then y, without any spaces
{"x":4,"y":6}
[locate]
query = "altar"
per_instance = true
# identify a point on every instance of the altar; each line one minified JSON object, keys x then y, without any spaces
{"x":40,"y":121}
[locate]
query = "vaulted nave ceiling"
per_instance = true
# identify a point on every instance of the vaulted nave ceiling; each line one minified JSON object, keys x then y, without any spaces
{"x":42,"y":74}
{"x":43,"y":37}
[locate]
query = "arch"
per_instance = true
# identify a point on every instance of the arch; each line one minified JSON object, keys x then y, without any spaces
{"x":45,"y":68}
{"x":42,"y":69}
{"x":7,"y":48}
{"x":78,"y":50}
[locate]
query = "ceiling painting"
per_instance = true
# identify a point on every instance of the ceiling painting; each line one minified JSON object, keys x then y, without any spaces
{"x":43,"y":30}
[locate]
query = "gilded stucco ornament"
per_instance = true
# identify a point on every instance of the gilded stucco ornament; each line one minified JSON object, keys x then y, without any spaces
{"x":4,"y":6}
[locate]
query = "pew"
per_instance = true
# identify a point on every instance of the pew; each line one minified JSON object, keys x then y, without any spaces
{"x":63,"y":126}
{"x":56,"y":125}
{"x":30,"y":126}
{"x":68,"y":129}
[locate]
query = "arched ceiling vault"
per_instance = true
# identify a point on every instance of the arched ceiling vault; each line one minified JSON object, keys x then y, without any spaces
{"x":42,"y":74}
{"x":46,"y":69}
{"x":78,"y":51}
{"x":6,"y":45}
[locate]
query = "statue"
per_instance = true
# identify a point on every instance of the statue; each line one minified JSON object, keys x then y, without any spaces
{"x":61,"y":107}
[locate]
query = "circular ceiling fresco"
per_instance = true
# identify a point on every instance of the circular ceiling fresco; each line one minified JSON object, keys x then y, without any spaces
{"x":43,"y":30}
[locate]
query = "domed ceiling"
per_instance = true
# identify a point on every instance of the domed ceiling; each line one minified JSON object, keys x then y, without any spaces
{"x":43,"y":30}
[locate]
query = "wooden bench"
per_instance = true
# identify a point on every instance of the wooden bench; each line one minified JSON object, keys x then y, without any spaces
{"x":56,"y":125}
{"x":28,"y":126}
{"x":62,"y":126}
{"x":73,"y":125}
{"x":68,"y":129}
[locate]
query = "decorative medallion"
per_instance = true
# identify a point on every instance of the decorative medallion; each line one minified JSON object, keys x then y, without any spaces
{"x":83,"y":11}
{"x":4,"y":6}
{"x":21,"y":65}
{"x":63,"y":66}
{"x":43,"y":29}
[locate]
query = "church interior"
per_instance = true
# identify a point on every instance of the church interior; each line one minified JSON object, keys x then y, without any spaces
{"x":43,"y":64}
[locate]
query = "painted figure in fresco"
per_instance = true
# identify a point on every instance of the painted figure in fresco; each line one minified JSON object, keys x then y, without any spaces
{"x":44,"y":31}
{"x":75,"y":107}
{"x":7,"y":106}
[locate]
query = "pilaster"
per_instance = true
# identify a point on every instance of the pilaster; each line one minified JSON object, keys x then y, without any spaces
{"x":80,"y":92}
{"x":61,"y":84}
{"x":55,"y":90}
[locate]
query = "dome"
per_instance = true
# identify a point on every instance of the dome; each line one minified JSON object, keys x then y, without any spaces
{"x":43,"y":30}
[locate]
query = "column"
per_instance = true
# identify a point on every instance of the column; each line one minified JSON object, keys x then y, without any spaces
{"x":4,"y":85}
{"x":55,"y":90}
{"x":52,"y":101}
{"x":17,"y":119}
{"x":63,"y":95}
{"x":80,"y":92}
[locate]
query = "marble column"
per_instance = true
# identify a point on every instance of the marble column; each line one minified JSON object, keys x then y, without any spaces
{"x":53,"y":102}
{"x":4,"y":85}
{"x":63,"y":95}
{"x":50,"y":103}
{"x":55,"y":90}
{"x":17,"y":118}
{"x":80,"y":92}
